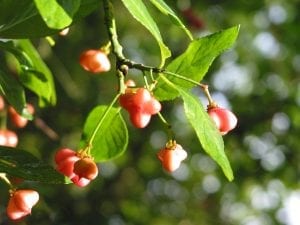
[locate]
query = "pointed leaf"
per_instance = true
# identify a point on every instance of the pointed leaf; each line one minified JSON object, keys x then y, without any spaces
{"x":22,"y":164}
{"x":165,"y":9}
{"x":21,"y":19}
{"x":195,"y":61}
{"x":139,"y":11}
{"x":37,"y":78}
{"x":206,"y":131}
{"x":111,"y":138}
{"x":57,"y":14}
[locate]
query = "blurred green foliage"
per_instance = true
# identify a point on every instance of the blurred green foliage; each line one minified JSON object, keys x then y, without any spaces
{"x":258,"y":79}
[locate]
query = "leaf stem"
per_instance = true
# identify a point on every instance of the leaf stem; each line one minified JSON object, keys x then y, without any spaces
{"x":204,"y":87}
{"x":117,"y":50}
{"x":168,"y":126}
{"x":6,"y":180}
{"x":90,"y":141}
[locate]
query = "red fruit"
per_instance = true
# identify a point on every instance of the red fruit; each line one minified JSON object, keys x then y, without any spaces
{"x":65,"y":159}
{"x":171,"y":157}
{"x":95,"y":61}
{"x":63,"y":154}
{"x":8,"y":138}
{"x":21,"y":202}
{"x":17,"y":119}
{"x":86,"y":168}
{"x":80,"y":170}
{"x":141,"y":105}
{"x":223,"y":118}
{"x":66,"y":166}
{"x":13,"y":212}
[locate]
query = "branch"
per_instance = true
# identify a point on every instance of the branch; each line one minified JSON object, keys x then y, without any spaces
{"x":117,"y":48}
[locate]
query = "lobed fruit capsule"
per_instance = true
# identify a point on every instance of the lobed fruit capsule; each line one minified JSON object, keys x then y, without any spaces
{"x":21,"y":203}
{"x":95,"y":61}
{"x":224,"y":119}
{"x":86,"y":168}
{"x":80,"y":170}
{"x":141,"y":105}
{"x":171,"y":157}
{"x":65,"y":159}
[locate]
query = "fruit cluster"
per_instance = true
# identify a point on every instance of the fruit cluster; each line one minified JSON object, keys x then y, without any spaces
{"x":79,"y":167}
{"x":140,"y":104}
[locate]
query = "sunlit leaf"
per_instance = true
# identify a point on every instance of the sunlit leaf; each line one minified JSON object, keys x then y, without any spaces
{"x":111,"y":138}
{"x":139,"y":11}
{"x":206,"y":131}
{"x":37,"y":78}
{"x":195,"y":61}
{"x":57,"y":14}
{"x":21,"y":19}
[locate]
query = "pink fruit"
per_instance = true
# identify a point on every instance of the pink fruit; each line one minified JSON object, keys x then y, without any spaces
{"x":224,"y":119}
{"x":141,"y":105}
{"x":171,"y":157}
{"x":80,"y":169}
{"x":21,"y":202}
{"x":95,"y":61}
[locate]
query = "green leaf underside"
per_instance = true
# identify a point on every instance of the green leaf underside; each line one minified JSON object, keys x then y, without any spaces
{"x":206,"y":131}
{"x":195,"y":61}
{"x":57,"y":14}
{"x":165,"y":9}
{"x":111,"y":138}
{"x":21,"y":19}
{"x":139,"y":11}
{"x":38,"y":78}
{"x":22,"y":164}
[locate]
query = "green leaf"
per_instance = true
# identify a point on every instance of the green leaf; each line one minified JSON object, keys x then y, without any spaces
{"x":22,"y":164}
{"x":139,"y":11}
{"x":14,"y":93}
{"x":111,"y":138}
{"x":21,"y":19}
{"x":195,"y":61}
{"x":57,"y":14}
{"x":37,"y":78}
{"x":165,"y":9}
{"x":206,"y":131}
